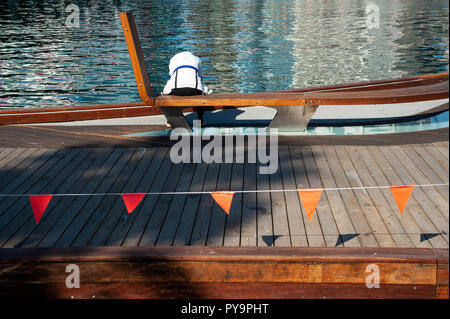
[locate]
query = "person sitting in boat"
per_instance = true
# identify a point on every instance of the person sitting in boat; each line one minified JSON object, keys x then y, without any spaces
{"x":185,"y":70}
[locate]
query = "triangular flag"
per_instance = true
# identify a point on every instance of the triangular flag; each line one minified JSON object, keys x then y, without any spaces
{"x":401,"y":195}
{"x":309,"y":198}
{"x":38,"y":204}
{"x":223,"y":199}
{"x":132,"y":200}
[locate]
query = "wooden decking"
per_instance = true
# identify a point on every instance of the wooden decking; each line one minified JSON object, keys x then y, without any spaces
{"x":345,"y":218}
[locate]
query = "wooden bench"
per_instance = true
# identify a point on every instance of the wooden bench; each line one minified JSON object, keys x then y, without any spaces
{"x":224,"y":272}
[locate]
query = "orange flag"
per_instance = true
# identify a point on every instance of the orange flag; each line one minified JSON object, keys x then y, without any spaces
{"x":401,"y":195}
{"x":309,"y":198}
{"x":132,"y":200}
{"x":223,"y":199}
{"x":38,"y":204}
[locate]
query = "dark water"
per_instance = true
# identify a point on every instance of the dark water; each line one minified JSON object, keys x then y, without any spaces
{"x":245,"y":46}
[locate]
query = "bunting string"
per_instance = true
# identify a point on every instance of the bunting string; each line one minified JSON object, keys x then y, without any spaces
{"x":235,"y":191}
{"x":309,"y":197}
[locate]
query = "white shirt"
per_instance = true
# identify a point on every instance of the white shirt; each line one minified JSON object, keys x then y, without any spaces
{"x":185,"y":70}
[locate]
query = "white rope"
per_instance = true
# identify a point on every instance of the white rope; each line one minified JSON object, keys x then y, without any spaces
{"x":236,"y":192}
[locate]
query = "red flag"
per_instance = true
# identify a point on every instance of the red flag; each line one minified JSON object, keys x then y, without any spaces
{"x":132,"y":200}
{"x":223,"y":199}
{"x":310,"y":199}
{"x":401,"y":195}
{"x":38,"y":204}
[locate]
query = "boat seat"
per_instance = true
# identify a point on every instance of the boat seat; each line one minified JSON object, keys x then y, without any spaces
{"x":293,"y":110}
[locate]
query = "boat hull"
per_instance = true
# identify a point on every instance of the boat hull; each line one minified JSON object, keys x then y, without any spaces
{"x":351,"y":103}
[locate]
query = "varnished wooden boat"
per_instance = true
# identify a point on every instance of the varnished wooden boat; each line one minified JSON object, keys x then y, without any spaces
{"x":351,"y":103}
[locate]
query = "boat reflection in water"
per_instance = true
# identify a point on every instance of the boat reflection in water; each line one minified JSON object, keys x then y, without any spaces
{"x":438,"y":121}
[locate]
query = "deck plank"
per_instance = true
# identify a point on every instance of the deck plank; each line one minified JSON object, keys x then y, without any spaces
{"x":14,"y":164}
{"x":336,"y":218}
{"x":87,"y":183}
{"x":184,"y":230}
{"x":424,"y":195}
{"x":437,"y":156}
{"x":264,"y":211}
{"x":79,"y":209}
{"x":18,"y":178}
{"x":144,"y":213}
{"x":329,"y":204}
{"x":54,"y":213}
{"x":89,"y":215}
{"x":156,"y":220}
{"x":432,"y":162}
{"x":58,"y":185}
{"x":417,"y":176}
{"x":12,"y":205}
{"x":313,"y":228}
{"x":5,"y":151}
{"x":281,"y":231}
{"x":382,"y":178}
{"x":414,"y":208}
{"x":368,"y":208}
{"x":249,"y":231}
{"x":295,"y":221}
{"x":363,"y":177}
{"x":20,"y":211}
{"x":10,"y":157}
{"x":442,"y":147}
{"x":172,"y":220}
{"x":356,"y":214}
{"x":110,"y":210}
{"x":146,"y":173}
{"x":203,"y":216}
{"x":422,"y":166}
{"x":216,"y":231}
{"x":234,"y":219}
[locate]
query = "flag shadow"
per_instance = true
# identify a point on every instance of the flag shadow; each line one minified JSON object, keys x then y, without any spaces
{"x":270,"y":240}
{"x":342,"y":238}
{"x":426,"y":236}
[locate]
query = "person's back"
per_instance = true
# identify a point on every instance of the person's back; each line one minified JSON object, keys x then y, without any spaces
{"x":185,"y":71}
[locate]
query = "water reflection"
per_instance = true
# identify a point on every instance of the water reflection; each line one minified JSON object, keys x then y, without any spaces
{"x":245,"y":45}
{"x":431,"y":123}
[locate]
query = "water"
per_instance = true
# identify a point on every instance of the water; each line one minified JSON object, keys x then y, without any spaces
{"x":245,"y":46}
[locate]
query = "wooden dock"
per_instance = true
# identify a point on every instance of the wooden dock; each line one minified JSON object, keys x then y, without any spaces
{"x":95,"y":160}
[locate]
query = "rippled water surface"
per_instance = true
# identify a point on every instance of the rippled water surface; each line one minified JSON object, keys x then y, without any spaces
{"x":245,"y":45}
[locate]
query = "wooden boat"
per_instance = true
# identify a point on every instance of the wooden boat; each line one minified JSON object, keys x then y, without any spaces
{"x":349,"y":104}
